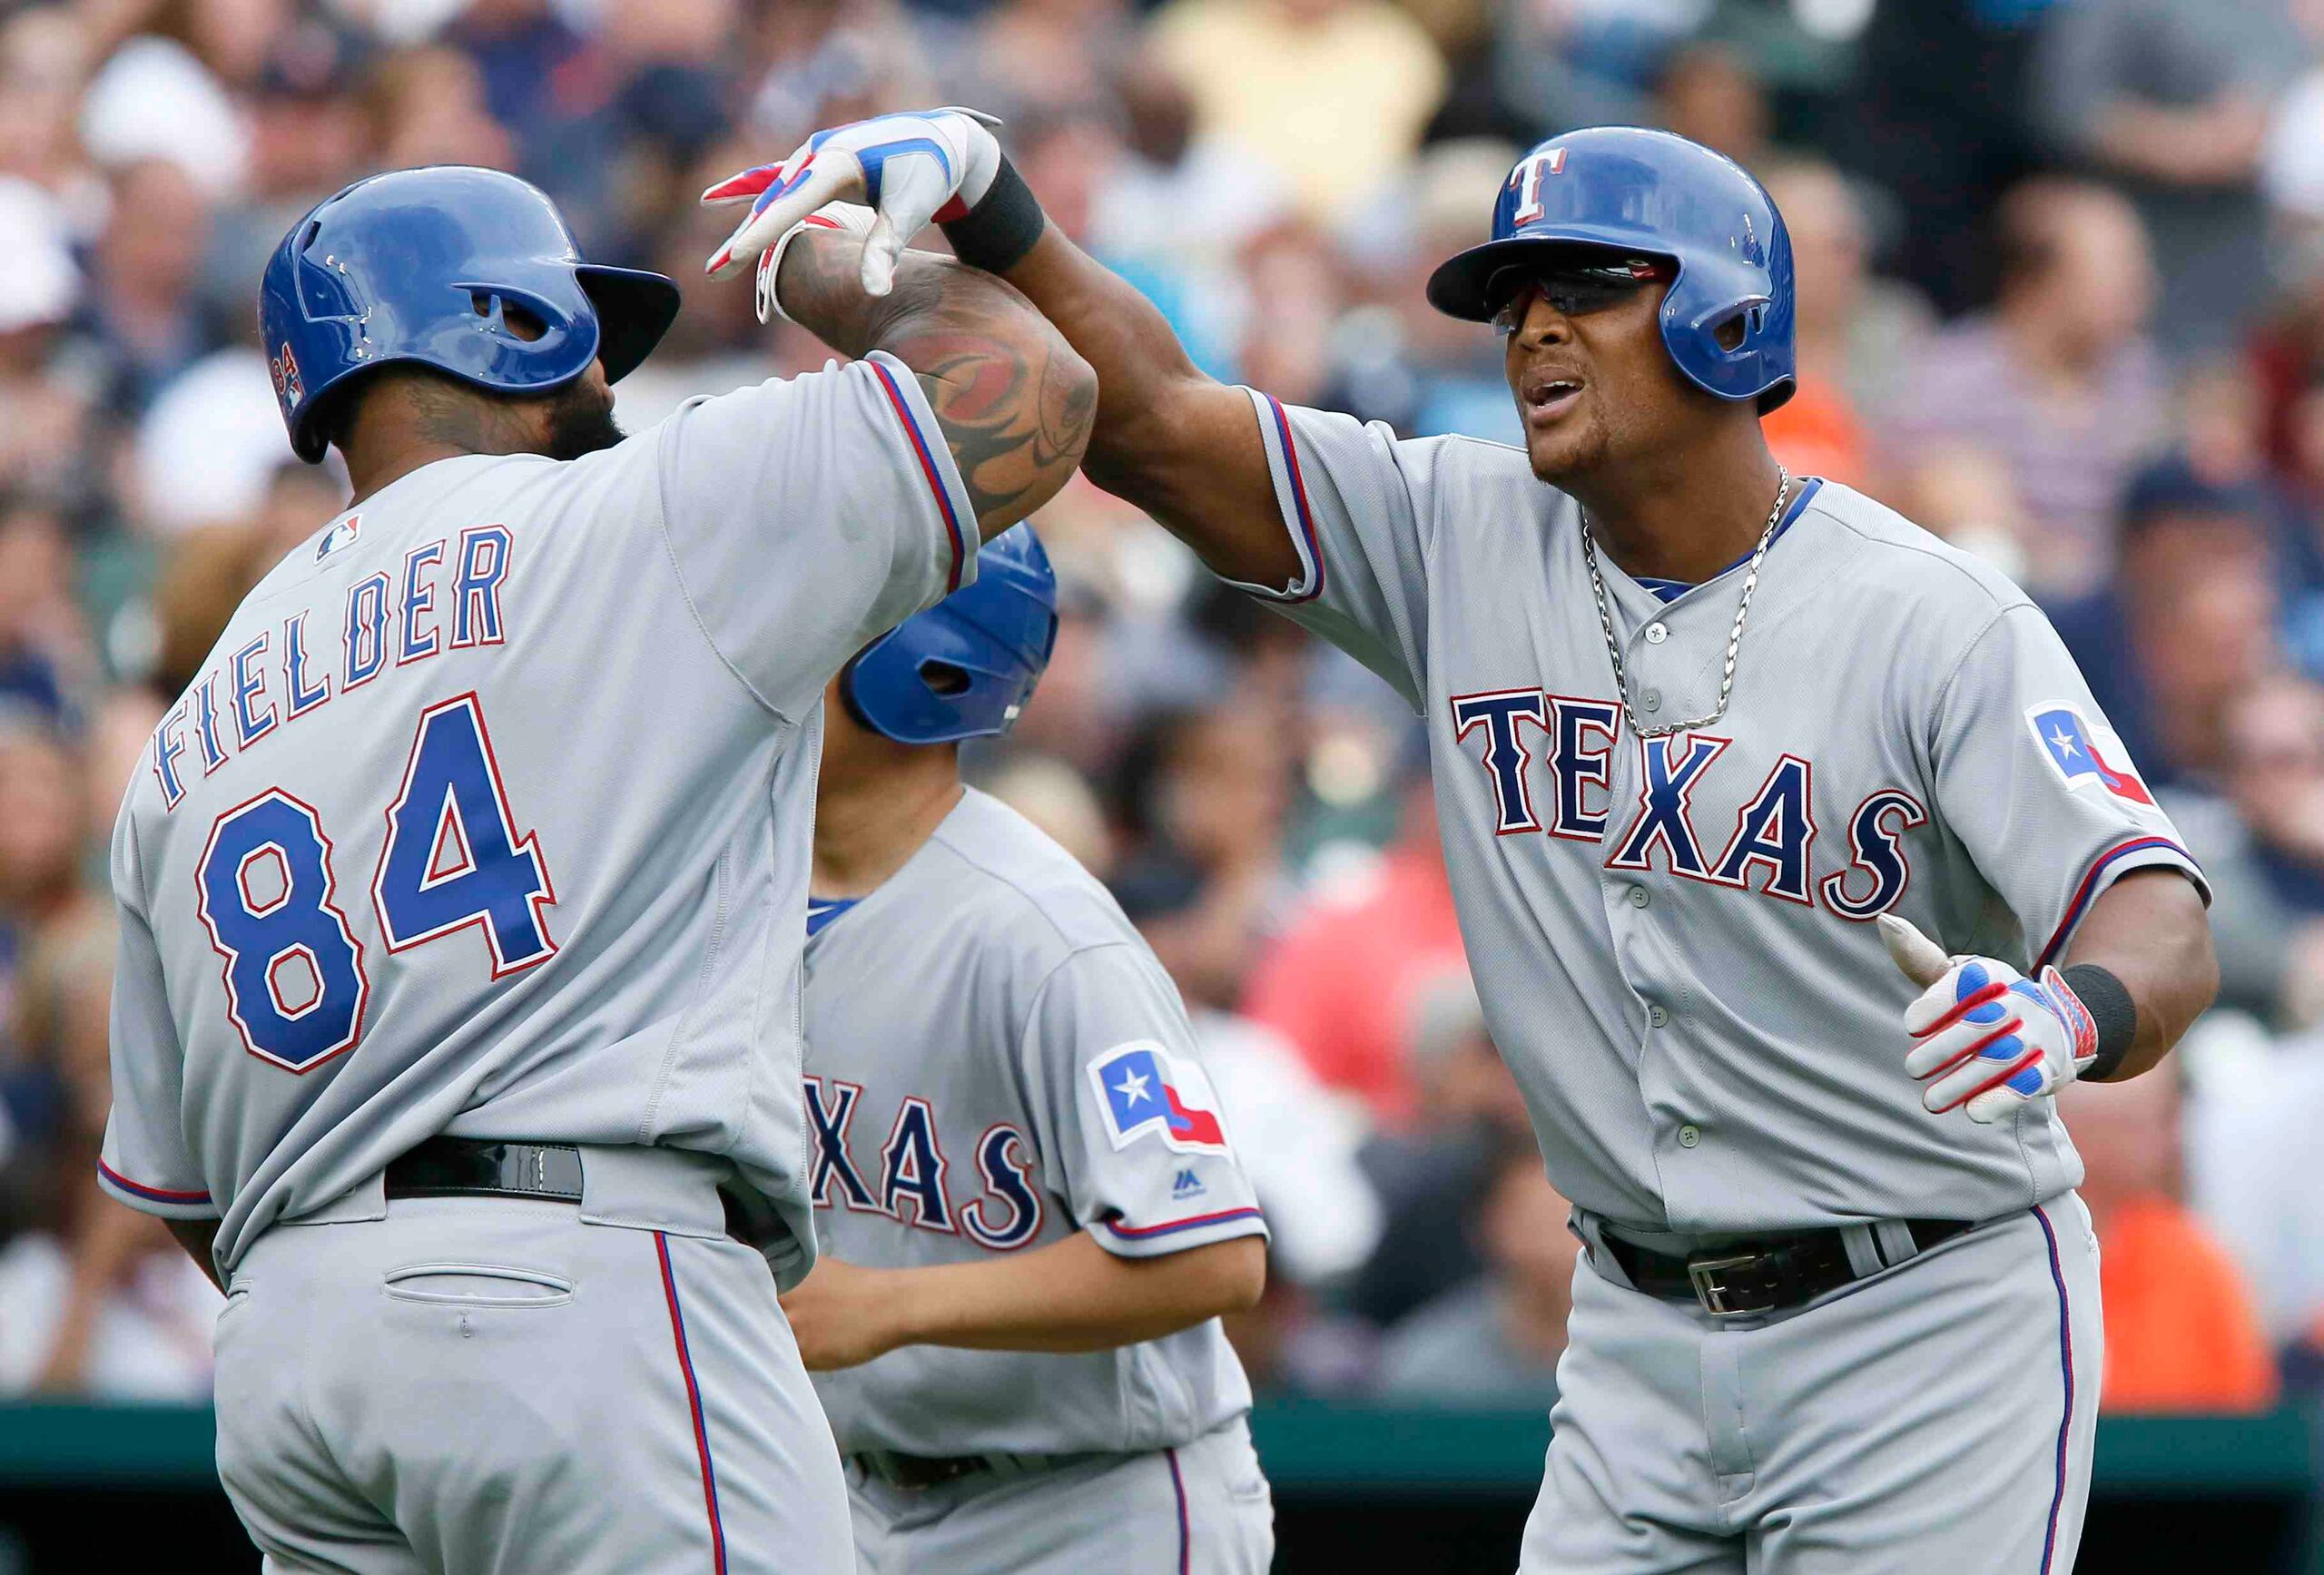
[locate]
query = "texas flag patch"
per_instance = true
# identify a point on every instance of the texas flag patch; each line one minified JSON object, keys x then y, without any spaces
{"x":2087,"y":753}
{"x":1145,"y":1088}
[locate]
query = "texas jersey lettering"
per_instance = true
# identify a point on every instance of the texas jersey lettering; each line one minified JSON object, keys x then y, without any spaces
{"x":1038,"y":1079}
{"x":1672,"y":933}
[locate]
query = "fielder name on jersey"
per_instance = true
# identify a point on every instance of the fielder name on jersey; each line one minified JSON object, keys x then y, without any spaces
{"x":1672,"y":934}
{"x":995,"y":1061}
{"x":417,"y":916}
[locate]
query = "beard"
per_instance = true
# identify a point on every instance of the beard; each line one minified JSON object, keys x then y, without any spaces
{"x":581,"y":421}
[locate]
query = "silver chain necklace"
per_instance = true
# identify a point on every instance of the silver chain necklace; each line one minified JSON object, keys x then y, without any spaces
{"x":1734,"y":638}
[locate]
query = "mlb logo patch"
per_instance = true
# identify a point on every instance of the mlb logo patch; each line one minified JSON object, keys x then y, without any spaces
{"x":341,"y":535}
{"x":1144,"y":1088}
{"x":288,"y":387}
{"x":2087,"y":754}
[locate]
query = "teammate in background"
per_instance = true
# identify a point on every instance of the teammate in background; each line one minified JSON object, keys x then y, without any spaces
{"x":1695,"y":726}
{"x":1015,"y":1323}
{"x":452,"y":1028}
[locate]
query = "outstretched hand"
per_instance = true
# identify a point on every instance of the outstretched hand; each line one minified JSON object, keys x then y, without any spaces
{"x":909,"y":169}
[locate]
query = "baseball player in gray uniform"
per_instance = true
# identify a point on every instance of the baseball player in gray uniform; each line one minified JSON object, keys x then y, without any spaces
{"x":1031,"y":1211}
{"x":1716,"y":749}
{"x":454,"y":1023}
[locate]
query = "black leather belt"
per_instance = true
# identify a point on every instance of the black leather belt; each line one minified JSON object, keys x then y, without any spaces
{"x":920,"y":1470}
{"x":487,"y":1167}
{"x":1765,"y":1274}
{"x":915,"y":1471}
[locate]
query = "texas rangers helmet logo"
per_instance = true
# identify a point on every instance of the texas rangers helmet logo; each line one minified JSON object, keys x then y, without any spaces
{"x":2087,"y":753}
{"x":1527,"y":179}
{"x":288,"y":387}
{"x":1145,"y":1088}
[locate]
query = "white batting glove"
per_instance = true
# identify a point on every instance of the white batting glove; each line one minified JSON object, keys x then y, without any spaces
{"x":854,"y":218}
{"x":1984,"y":1035}
{"x":911,"y":168}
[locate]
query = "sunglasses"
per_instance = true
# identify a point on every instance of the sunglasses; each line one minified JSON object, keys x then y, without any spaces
{"x":1574,"y":289}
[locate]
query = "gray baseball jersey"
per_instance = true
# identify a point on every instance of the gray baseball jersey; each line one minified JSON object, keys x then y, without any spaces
{"x":1671,"y":936}
{"x":491,"y":813}
{"x":996,"y":1060}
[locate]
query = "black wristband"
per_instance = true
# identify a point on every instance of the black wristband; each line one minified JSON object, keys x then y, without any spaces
{"x":1003,"y":225}
{"x":2111,"y":1012}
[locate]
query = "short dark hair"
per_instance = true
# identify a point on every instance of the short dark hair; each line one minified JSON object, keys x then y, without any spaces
{"x":2172,"y":488}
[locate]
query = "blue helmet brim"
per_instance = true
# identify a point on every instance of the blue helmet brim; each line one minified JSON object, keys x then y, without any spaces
{"x":634,"y":309}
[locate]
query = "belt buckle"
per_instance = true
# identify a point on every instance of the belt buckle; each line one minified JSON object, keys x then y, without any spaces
{"x":1703,"y":1275}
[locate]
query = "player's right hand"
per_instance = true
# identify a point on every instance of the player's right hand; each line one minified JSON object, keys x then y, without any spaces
{"x":908,"y":169}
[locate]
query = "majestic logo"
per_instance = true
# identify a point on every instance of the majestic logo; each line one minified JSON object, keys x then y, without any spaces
{"x":288,"y":386}
{"x":339,"y":537}
{"x":2087,"y":753}
{"x":1145,"y":1088}
{"x":1187,"y":1184}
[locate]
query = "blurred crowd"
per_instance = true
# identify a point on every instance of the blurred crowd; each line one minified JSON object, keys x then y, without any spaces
{"x":2062,"y":299}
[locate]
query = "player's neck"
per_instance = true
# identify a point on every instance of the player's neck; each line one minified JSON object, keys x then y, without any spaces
{"x":414,"y":421}
{"x":1684,"y":517}
{"x":876,"y":810}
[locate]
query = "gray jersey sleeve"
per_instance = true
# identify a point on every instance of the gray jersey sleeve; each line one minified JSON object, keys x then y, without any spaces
{"x":2038,"y":787}
{"x":1124,"y":1112}
{"x":805,"y":517}
{"x":146,"y":1162}
{"x":1355,"y":498}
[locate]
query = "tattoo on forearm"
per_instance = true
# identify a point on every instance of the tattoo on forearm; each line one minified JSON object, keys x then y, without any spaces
{"x":1015,"y":404}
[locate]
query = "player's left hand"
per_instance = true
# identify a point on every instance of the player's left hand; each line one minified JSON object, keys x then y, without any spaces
{"x":842,"y":1315}
{"x":1984,"y":1035}
{"x":909,"y":169}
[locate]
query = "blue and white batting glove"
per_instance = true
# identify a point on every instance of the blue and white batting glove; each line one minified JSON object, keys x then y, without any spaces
{"x":910,"y":170}
{"x":1985,"y":1036}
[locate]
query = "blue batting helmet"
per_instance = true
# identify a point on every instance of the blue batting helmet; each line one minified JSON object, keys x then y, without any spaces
{"x":1653,"y":194}
{"x":420,"y":266}
{"x":966,"y":666}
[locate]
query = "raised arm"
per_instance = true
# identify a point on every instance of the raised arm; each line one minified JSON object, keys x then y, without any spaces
{"x":1169,"y":439}
{"x":1180,"y":446}
{"x":1014,"y":400}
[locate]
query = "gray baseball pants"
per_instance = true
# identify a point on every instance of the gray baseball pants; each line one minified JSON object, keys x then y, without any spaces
{"x":1934,"y":1419}
{"x":1201,"y":1509}
{"x":490,"y":1386}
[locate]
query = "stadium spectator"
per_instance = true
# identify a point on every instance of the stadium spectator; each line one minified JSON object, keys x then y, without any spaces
{"x":1333,"y":94}
{"x":1495,"y":1340}
{"x":1468,"y":1110}
{"x":143,"y":312}
{"x":2173,"y":97}
{"x":2262,"y":845}
{"x":2188,"y":623}
{"x":2057,"y":384}
{"x":1820,"y":431}
{"x":1341,"y":980}
{"x":37,"y":611}
{"x":2181,"y":1330}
